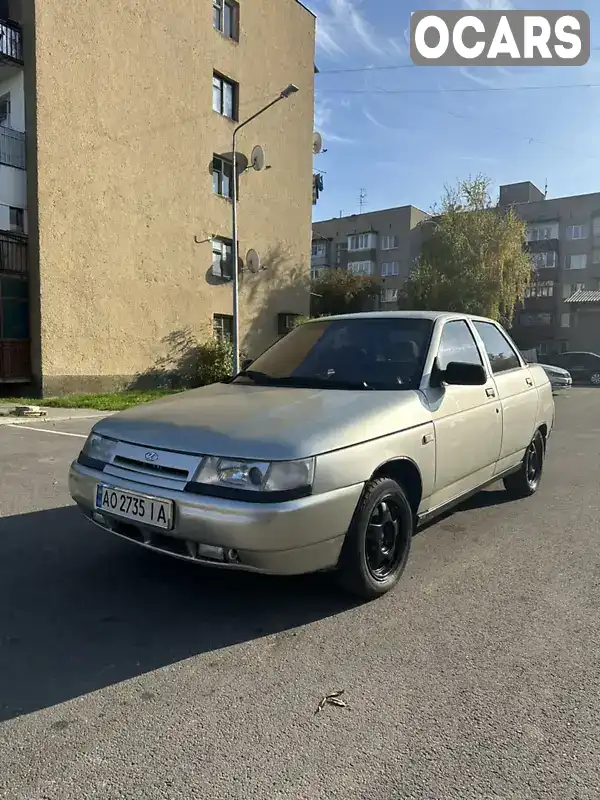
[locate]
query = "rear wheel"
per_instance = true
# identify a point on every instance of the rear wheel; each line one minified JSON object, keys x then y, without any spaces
{"x":378,"y":543}
{"x":526,"y":481}
{"x":595,"y":378}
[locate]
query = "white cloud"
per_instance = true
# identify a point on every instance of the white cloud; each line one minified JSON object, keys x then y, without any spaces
{"x":342,"y":27}
{"x":323,"y":119}
{"x":488,"y":5}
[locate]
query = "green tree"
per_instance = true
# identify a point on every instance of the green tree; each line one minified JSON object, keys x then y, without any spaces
{"x":341,"y":292}
{"x":472,"y":258}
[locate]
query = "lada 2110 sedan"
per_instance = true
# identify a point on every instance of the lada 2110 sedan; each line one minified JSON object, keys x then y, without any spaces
{"x":327,"y":451}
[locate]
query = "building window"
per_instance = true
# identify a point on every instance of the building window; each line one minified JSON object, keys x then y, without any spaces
{"x":225,"y":18}
{"x":360,"y":267}
{"x":596,"y":226}
{"x":565,"y":320}
{"x":596,"y":256}
{"x":223,"y":326}
{"x":362,"y":241}
{"x":286,"y":323}
{"x":529,"y":318}
{"x":546,"y":230}
{"x":5,"y":110}
{"x":224,"y":96}
{"x":540,"y":289}
{"x":319,"y":250}
{"x":389,"y":242}
{"x":222,"y":177}
{"x":222,"y":258}
{"x":389,"y":268}
{"x":545,"y":260}
{"x":389,"y":295}
{"x":577,"y":262}
{"x":577,"y":232}
{"x":340,"y":249}
{"x":315,"y":274}
{"x":17,"y":220}
{"x":14,"y":309}
{"x":542,"y":349}
{"x":569,"y":289}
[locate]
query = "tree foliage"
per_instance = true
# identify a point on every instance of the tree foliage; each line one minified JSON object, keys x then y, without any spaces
{"x":472,"y":258}
{"x":341,"y":292}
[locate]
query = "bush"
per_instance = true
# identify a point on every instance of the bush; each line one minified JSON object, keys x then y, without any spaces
{"x":213,"y":362}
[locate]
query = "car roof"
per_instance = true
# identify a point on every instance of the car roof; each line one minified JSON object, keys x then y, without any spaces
{"x":431,"y":315}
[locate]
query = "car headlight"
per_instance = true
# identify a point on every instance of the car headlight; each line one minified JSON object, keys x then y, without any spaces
{"x":256,"y":476}
{"x":99,"y":448}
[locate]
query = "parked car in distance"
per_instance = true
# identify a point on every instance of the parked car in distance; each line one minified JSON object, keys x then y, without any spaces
{"x":583,"y":367}
{"x":328,"y":451}
{"x":559,"y":378}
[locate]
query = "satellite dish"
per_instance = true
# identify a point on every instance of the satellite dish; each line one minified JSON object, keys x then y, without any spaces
{"x":317,"y":142}
{"x":257,"y":158}
{"x":241,"y":161}
{"x":252,"y":261}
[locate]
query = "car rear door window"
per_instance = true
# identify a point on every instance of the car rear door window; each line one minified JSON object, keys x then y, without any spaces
{"x":457,"y":344}
{"x":501,"y":353}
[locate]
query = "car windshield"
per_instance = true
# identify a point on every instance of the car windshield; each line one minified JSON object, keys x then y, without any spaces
{"x":362,"y":353}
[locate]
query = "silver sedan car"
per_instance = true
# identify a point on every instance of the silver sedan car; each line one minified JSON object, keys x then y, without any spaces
{"x":327,"y":451}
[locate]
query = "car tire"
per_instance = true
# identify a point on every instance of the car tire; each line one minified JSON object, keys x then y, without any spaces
{"x":526,"y":481}
{"x":378,"y":542}
{"x":595,"y":378}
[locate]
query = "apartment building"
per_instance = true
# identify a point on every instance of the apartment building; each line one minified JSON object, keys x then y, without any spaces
{"x":383,"y":244}
{"x":116,"y":123}
{"x":563,"y":237}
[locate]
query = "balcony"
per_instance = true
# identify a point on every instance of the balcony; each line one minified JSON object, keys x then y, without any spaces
{"x":542,"y":245}
{"x":12,"y":148}
{"x":13,"y":253}
{"x":11,"y":44}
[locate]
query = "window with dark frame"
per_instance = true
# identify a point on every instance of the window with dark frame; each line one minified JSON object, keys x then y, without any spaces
{"x":223,"y":326}
{"x":224,"y":96}
{"x":501,"y":353}
{"x":17,"y":220}
{"x":226,"y":18}
{"x":14,"y":308}
{"x":222,"y":177}
{"x":286,"y":323}
{"x":5,"y":110}
{"x":222,"y":258}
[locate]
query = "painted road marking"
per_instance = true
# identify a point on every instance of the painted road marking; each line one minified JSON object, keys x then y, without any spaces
{"x":45,"y":430}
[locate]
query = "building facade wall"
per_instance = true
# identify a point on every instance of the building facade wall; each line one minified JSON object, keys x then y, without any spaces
{"x":403,"y":223}
{"x":124,"y":141}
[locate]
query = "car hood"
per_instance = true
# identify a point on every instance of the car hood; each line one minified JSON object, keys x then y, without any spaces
{"x":558,"y":371}
{"x":265,"y":422}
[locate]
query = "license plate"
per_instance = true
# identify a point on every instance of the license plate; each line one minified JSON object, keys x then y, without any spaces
{"x":136,"y":507}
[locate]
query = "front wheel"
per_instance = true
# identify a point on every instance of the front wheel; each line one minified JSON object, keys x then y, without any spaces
{"x":526,"y":481}
{"x":378,"y":543}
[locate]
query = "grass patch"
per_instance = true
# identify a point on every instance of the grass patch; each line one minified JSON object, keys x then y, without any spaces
{"x":114,"y":401}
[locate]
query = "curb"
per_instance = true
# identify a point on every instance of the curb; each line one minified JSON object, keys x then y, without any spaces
{"x":14,"y":420}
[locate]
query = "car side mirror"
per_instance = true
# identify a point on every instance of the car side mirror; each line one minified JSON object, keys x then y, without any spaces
{"x":246,"y":363}
{"x":458,"y":373}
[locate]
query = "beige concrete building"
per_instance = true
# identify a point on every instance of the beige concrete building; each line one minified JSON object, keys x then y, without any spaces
{"x":123,"y":200}
{"x":383,"y":244}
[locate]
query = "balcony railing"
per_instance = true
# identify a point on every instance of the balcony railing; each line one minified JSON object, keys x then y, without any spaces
{"x":11,"y":42}
{"x":12,"y":148}
{"x":13,"y":253}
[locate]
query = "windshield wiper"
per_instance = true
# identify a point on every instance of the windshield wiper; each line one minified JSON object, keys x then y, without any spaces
{"x":299,"y":382}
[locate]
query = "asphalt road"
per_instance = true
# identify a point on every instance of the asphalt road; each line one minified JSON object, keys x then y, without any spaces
{"x":127,"y":675}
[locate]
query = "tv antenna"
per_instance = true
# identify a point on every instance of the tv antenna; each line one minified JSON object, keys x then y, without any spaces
{"x":362,"y":200}
{"x":546,"y":190}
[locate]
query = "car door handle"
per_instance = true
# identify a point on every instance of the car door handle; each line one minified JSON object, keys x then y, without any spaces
{"x":529,"y":381}
{"x":490,"y":393}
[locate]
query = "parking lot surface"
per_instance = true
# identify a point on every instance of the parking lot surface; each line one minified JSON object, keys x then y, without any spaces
{"x":128,"y":675}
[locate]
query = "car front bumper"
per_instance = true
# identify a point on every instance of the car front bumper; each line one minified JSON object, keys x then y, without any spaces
{"x":561,"y":383}
{"x":290,"y":538}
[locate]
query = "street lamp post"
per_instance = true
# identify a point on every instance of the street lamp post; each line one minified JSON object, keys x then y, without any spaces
{"x":291,"y":89}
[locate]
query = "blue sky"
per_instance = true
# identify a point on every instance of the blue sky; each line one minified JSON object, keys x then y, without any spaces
{"x":402,"y":148}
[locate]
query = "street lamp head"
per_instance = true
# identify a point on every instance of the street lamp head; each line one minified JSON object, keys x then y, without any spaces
{"x":291,"y":89}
